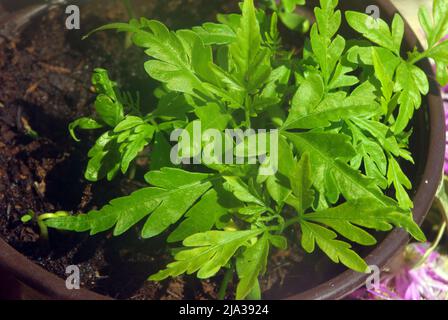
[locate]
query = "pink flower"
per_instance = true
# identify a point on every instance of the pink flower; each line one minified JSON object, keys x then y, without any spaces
{"x":415,"y":281}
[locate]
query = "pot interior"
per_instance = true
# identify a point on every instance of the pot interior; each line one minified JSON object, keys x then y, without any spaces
{"x":127,"y":260}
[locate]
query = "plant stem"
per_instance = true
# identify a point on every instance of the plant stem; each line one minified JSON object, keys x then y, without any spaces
{"x":43,"y":229}
{"x":248,"y":122}
{"x":442,"y":204}
{"x":418,"y":57}
{"x":131,"y":14}
{"x":225,"y":283}
{"x":129,"y":8}
{"x":132,"y":171}
{"x":442,"y":199}
{"x":248,"y":112}
{"x":433,"y":247}
{"x":290,"y":222}
{"x":41,"y":222}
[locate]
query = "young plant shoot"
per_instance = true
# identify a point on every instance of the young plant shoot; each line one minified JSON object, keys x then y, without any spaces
{"x":342,"y":112}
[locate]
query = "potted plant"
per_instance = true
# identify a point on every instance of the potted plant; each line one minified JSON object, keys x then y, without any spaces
{"x":322,"y":134}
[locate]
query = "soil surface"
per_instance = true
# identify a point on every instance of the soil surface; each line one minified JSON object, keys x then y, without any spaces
{"x":45,"y":83}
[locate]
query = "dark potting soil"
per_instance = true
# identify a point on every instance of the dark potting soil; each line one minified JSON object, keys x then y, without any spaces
{"x":44,"y":84}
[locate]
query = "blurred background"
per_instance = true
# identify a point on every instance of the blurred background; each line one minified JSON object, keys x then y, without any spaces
{"x":409,"y":9}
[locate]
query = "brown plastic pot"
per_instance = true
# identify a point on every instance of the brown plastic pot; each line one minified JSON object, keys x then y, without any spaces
{"x":429,"y":149}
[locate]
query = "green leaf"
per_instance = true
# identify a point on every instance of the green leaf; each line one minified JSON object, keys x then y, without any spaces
{"x":337,"y":251}
{"x":295,"y":21}
{"x":307,"y":97}
{"x":396,"y":176}
{"x":174,"y":193}
{"x":107,"y":104}
{"x":278,"y":188}
{"x":212,"y":117}
{"x":385,"y":77}
{"x":376,"y":30}
{"x":360,"y":212}
{"x":327,"y":54}
{"x":104,"y":158}
{"x":343,"y":218}
{"x":438,"y":53}
{"x":233,"y":20}
{"x":206,"y":253}
{"x":301,"y":182}
{"x":182,"y":190}
{"x":252,"y":63}
{"x":340,"y":78}
{"x":329,"y":153}
{"x":326,"y":50}
{"x":252,"y":210}
{"x":275,"y":88}
{"x":285,"y":153}
{"x":83,"y":123}
{"x":333,"y":108}
{"x":435,"y":27}
{"x":173,"y":106}
{"x":136,"y":141}
{"x":26,"y":218}
{"x":381,"y":133}
{"x":160,"y":153}
{"x":290,"y":5}
{"x":280,"y":242}
{"x":200,"y":218}
{"x":328,"y":19}
{"x":173,"y":55}
{"x":397,"y":32}
{"x":412,"y":82}
{"x":250,"y":264}
{"x":129,"y":122}
{"x":215,"y":34}
{"x":362,"y":54}
{"x":242,"y":191}
{"x":371,"y":153}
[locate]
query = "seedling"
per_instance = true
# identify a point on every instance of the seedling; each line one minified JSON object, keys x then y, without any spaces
{"x":40,"y":220}
{"x":342,"y":109}
{"x":286,"y":10}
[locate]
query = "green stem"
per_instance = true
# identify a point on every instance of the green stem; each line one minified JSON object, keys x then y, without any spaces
{"x":155,"y":124}
{"x":132,"y":171}
{"x":433,"y":247}
{"x":441,"y":202}
{"x":418,"y":57}
{"x":248,"y":112}
{"x":442,"y":199}
{"x":225,"y":283}
{"x":129,"y":8}
{"x":248,"y":122}
{"x":43,"y":229}
{"x":292,"y":221}
{"x":41,"y":222}
{"x":131,"y":14}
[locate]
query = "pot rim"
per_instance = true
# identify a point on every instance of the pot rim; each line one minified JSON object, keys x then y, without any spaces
{"x":338,"y":287}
